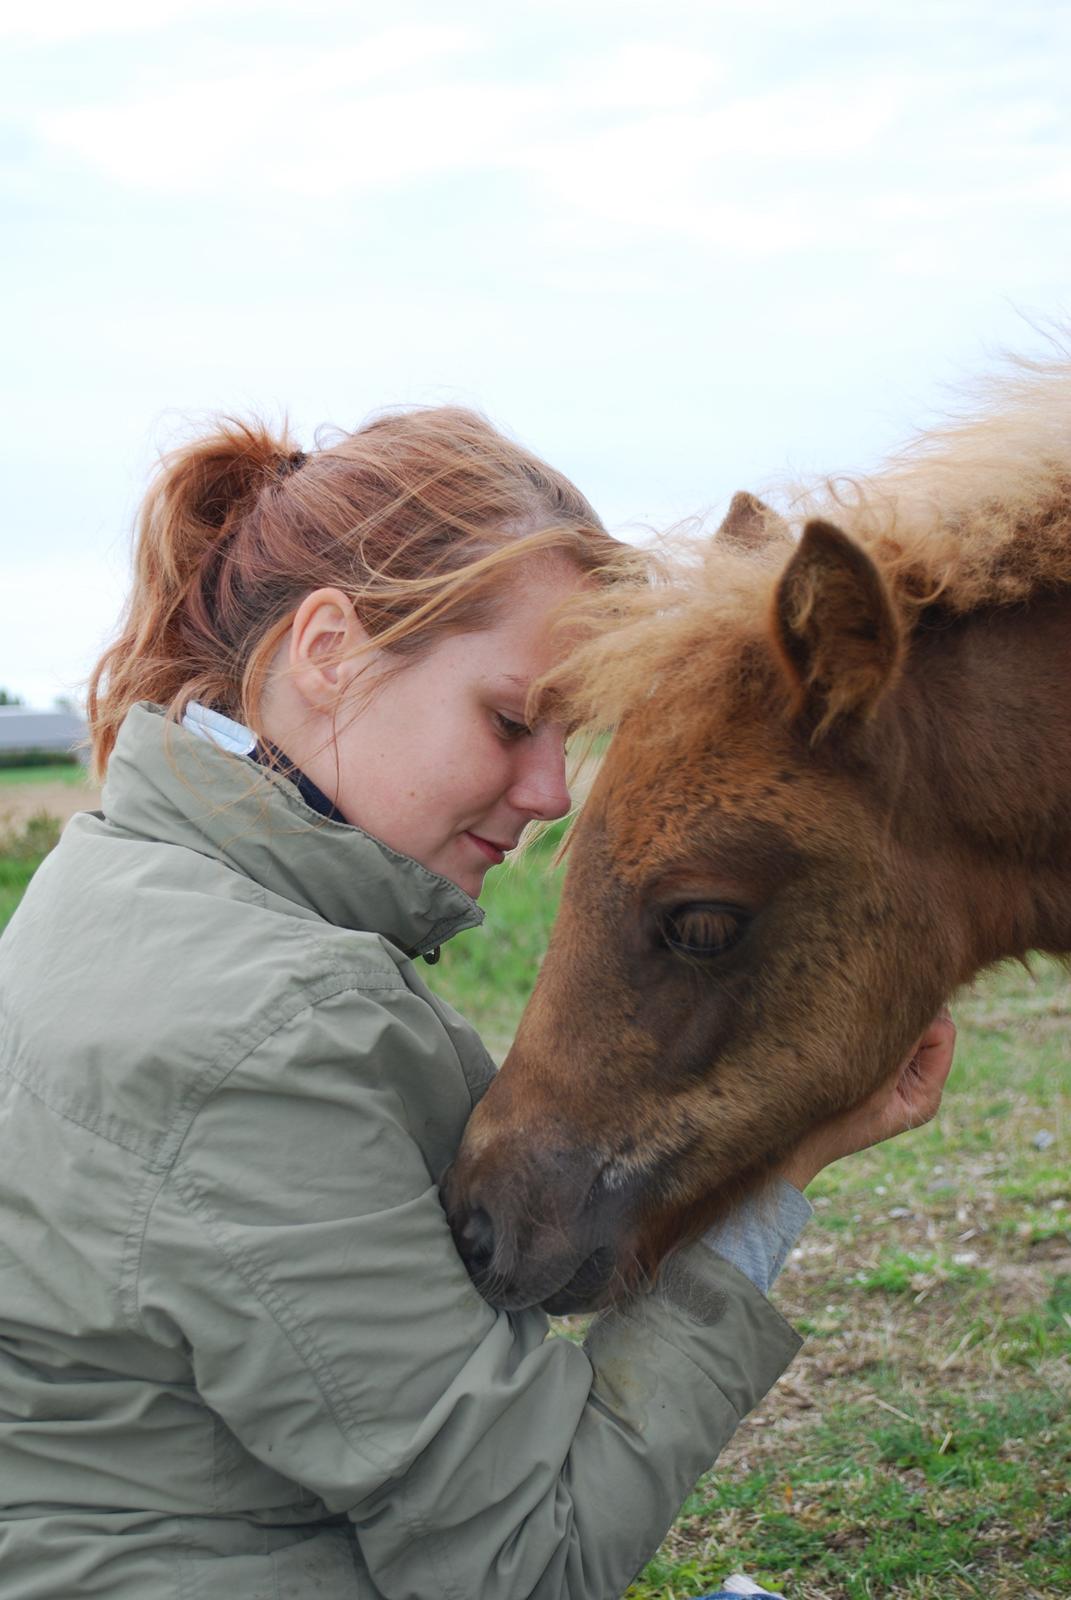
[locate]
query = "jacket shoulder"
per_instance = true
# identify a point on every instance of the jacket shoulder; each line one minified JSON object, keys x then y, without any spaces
{"x":130,"y":977}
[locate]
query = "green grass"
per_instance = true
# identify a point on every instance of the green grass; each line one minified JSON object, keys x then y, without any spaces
{"x":936,"y":1503}
{"x":920,"y":1445}
{"x":488,"y":973}
{"x":22,"y":849}
{"x":72,"y":773}
{"x":14,"y":876}
{"x":908,"y":1511}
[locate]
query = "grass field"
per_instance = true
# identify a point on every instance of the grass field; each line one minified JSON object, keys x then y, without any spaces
{"x":17,"y":777}
{"x":920,"y":1445}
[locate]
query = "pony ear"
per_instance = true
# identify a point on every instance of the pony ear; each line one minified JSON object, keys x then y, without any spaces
{"x":751,"y":526}
{"x":836,"y":628}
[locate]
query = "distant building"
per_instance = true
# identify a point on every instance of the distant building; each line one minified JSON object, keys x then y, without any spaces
{"x":53,"y":733}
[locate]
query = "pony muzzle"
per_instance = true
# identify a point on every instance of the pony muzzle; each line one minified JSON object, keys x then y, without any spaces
{"x":550,"y":1233}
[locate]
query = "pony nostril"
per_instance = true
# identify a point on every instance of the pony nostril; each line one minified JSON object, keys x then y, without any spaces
{"x":476,"y":1240}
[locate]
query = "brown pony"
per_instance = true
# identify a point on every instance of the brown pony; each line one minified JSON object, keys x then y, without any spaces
{"x":840,"y":785}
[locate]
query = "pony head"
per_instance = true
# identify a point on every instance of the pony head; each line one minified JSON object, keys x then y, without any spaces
{"x":787,"y":861}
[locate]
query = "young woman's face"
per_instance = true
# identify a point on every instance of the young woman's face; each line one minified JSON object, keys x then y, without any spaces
{"x":440,"y":762}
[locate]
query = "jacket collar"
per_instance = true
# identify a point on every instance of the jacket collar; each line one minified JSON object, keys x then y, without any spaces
{"x":242,"y":741}
{"x":164,"y":782}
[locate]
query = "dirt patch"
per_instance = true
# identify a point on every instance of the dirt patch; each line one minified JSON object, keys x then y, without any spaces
{"x":22,"y":801}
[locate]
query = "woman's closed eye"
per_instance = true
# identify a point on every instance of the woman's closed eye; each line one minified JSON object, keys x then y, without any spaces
{"x":508,"y":727}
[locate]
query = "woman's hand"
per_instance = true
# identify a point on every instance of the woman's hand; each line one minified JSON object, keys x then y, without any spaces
{"x":910,"y":1098}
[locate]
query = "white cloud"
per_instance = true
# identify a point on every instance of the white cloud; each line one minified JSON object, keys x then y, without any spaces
{"x":268,"y":126}
{"x":643,"y":137}
{"x":645,"y":74}
{"x":336,"y":121}
{"x":56,"y":21}
{"x":713,"y":174}
{"x":59,"y":21}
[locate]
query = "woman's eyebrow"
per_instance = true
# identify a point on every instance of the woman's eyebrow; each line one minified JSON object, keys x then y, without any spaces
{"x":524,"y":685}
{"x":511,"y":680}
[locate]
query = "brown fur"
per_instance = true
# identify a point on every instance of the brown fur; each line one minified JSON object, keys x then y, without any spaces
{"x":853,"y":755}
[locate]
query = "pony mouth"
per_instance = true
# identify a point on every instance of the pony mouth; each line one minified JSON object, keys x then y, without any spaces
{"x":589,"y":1287}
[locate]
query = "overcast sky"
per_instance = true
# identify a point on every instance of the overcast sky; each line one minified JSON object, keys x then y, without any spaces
{"x":678,"y":248}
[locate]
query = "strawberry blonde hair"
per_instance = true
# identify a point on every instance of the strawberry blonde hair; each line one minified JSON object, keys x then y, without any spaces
{"x":420,"y":516}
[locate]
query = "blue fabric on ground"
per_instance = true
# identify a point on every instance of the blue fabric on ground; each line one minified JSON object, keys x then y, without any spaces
{"x":735,"y":1594}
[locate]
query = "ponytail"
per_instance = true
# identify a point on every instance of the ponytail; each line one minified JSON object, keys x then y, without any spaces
{"x":166,"y":645}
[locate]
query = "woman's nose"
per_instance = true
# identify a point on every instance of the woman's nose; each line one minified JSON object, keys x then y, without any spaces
{"x":540,"y":787}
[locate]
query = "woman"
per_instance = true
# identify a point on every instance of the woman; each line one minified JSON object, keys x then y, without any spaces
{"x":239,"y":1355}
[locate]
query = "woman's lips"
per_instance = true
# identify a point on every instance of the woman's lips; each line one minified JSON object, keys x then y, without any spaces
{"x":494,"y":853}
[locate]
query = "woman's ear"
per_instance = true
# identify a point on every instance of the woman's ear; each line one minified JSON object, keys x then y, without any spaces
{"x":328,"y":647}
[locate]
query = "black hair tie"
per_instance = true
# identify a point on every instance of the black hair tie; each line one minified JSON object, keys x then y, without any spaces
{"x":290,"y":463}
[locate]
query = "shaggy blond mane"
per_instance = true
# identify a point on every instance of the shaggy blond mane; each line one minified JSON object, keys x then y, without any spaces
{"x":973,"y":514}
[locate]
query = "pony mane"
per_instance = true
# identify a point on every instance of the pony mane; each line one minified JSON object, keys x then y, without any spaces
{"x":972,"y":514}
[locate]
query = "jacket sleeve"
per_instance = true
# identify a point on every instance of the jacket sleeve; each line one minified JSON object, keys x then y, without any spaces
{"x":298,"y":1247}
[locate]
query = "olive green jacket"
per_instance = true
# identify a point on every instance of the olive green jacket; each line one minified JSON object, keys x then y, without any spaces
{"x":239,"y":1356}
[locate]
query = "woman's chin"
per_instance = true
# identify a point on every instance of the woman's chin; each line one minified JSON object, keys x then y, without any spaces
{"x":472,"y":876}
{"x":471,"y":883}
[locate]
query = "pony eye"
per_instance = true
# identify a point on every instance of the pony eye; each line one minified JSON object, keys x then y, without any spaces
{"x":702,"y":929}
